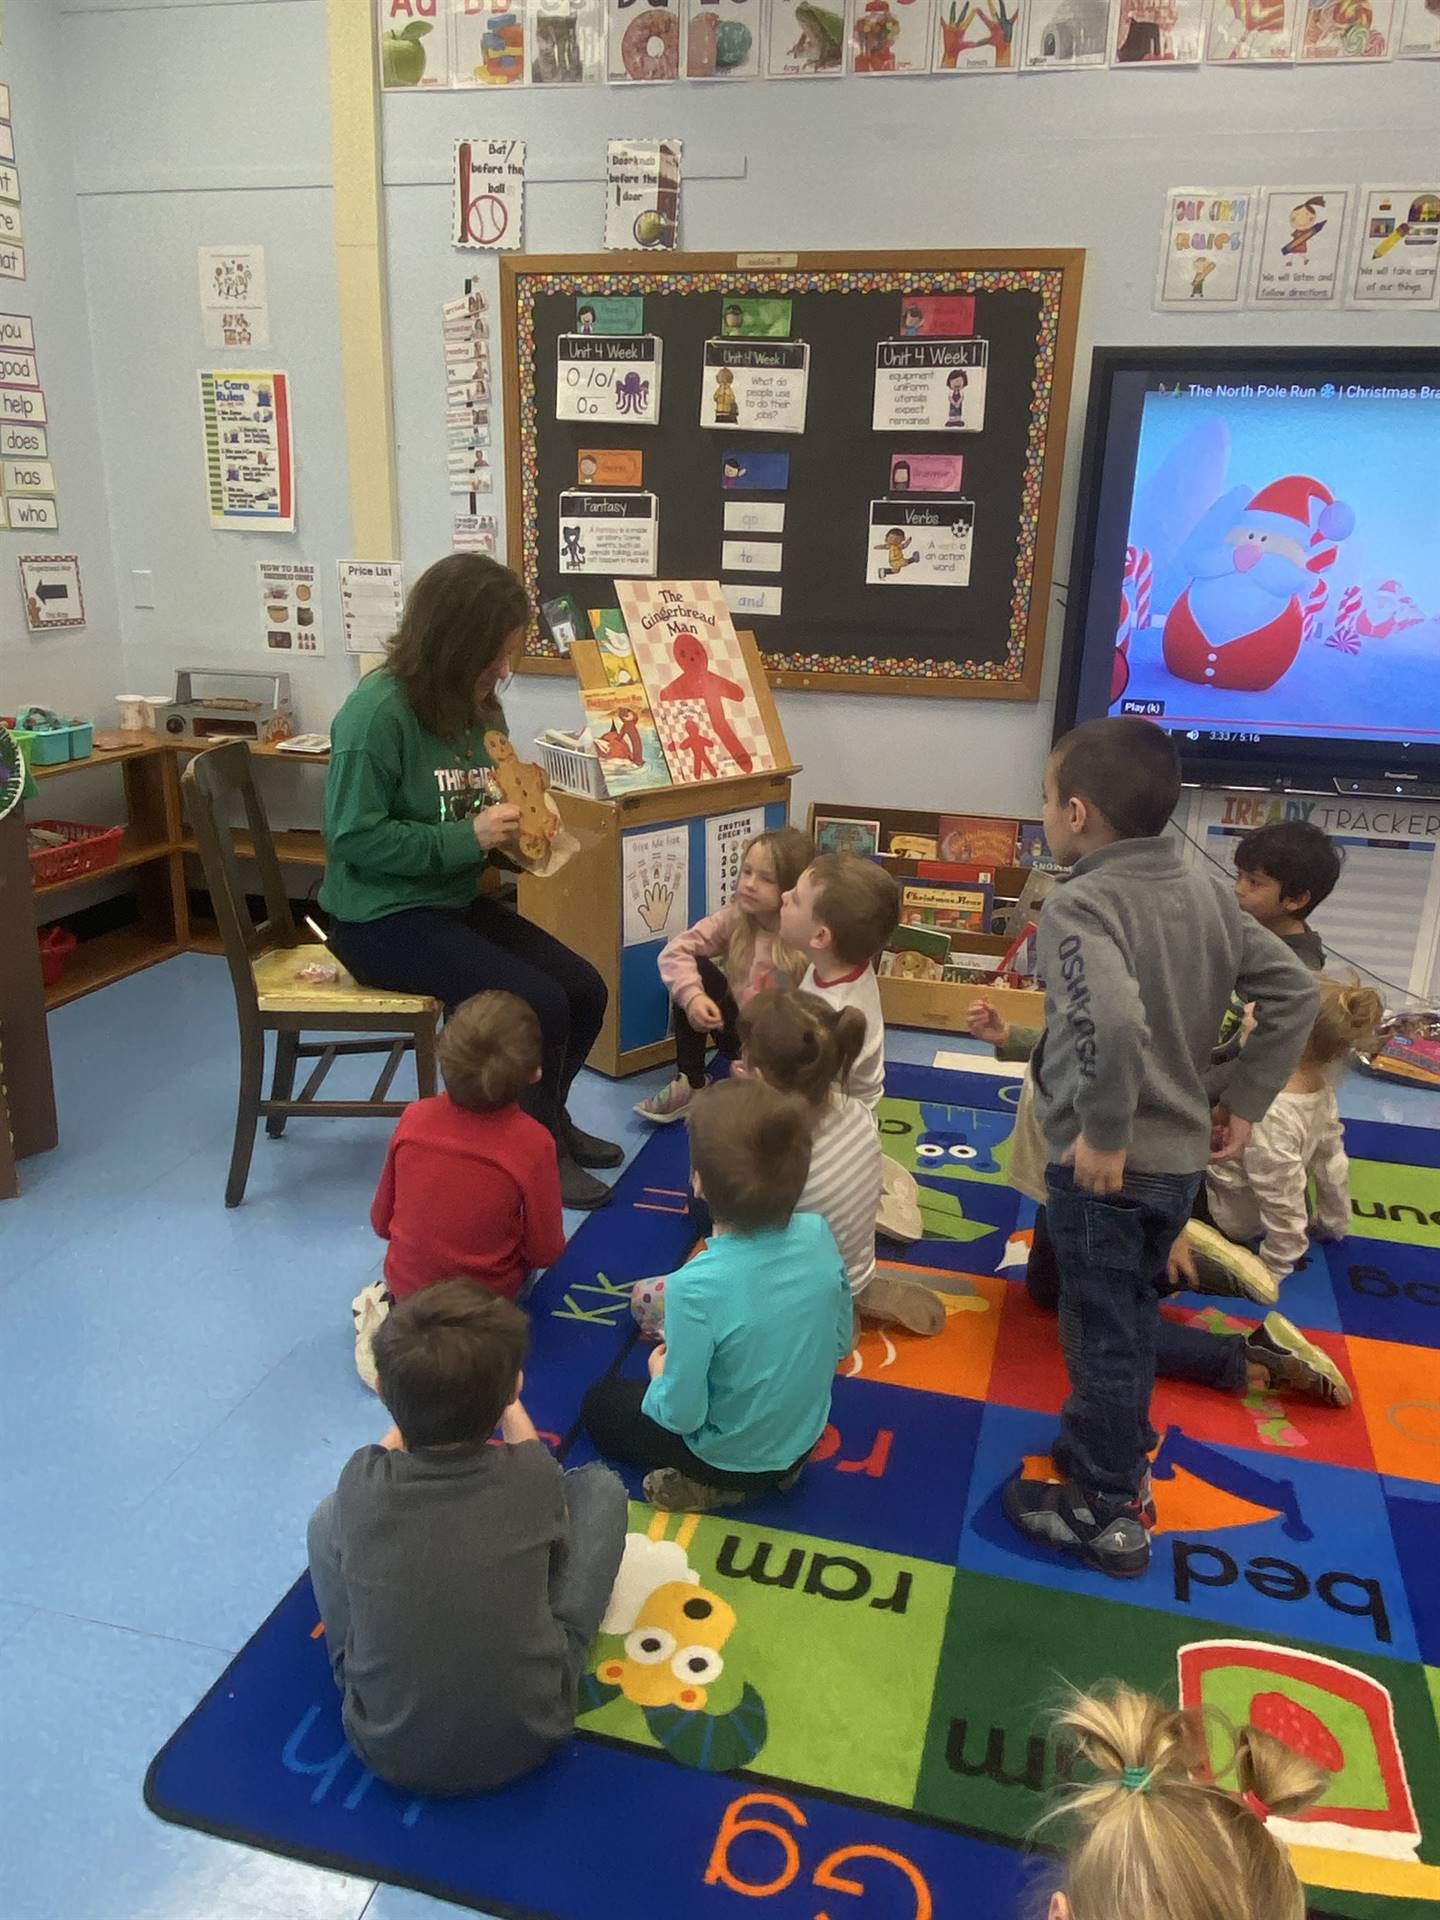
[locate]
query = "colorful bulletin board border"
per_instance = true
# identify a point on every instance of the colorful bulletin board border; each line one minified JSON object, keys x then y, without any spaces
{"x":1054,"y":275}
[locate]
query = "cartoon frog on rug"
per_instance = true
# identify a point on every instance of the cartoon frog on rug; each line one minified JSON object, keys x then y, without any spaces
{"x":950,"y":1146}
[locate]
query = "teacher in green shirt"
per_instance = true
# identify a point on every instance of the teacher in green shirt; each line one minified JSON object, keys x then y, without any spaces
{"x":410,"y":827}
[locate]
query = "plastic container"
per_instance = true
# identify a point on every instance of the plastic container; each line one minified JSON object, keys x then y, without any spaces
{"x":82,"y":740}
{"x":51,"y":748}
{"x":56,"y":946}
{"x":571,"y":770}
{"x":86,"y":850}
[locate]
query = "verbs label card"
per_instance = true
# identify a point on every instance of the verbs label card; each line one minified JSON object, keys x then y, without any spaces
{"x":920,"y":544}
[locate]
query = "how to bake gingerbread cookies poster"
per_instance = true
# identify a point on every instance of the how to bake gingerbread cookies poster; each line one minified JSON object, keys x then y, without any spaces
{"x":696,"y":678}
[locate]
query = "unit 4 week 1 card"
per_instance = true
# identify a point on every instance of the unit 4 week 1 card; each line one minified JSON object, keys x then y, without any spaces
{"x":914,"y":544}
{"x":756,"y":385}
{"x":930,"y":385}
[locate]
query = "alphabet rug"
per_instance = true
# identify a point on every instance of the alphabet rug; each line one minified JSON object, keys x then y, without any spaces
{"x":860,"y":1727}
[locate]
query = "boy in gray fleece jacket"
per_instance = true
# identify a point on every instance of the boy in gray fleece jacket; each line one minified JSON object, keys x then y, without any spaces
{"x":1139,"y":957}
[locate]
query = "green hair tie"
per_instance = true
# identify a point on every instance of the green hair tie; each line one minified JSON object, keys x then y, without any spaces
{"x":1137,"y":1779}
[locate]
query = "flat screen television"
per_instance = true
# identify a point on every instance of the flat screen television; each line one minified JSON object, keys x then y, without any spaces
{"x":1256,"y":563}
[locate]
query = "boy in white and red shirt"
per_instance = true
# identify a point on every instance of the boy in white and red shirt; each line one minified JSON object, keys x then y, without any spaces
{"x":470,"y":1188}
{"x":839,"y":914}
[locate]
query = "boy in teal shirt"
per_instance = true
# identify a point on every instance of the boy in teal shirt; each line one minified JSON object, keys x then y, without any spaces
{"x":755,"y":1325}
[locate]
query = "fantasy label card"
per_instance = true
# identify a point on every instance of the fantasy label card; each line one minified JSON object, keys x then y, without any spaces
{"x":930,"y":386}
{"x":915,"y":544}
{"x":611,"y":533}
{"x":758,"y":386}
{"x":608,"y":377}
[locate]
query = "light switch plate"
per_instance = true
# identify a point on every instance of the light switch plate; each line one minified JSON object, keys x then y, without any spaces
{"x":142,"y":582}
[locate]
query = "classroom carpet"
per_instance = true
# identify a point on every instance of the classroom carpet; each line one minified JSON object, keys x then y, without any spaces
{"x":869,"y":1731}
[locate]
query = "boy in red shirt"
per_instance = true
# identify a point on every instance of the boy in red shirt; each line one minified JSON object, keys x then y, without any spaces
{"x":470,"y":1188}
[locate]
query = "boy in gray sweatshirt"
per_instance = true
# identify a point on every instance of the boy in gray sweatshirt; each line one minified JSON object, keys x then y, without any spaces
{"x":1139,"y":956}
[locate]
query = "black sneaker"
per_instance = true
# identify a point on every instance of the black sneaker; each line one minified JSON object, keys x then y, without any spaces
{"x":1059,"y":1515}
{"x":1295,"y":1364}
{"x":578,"y":1188}
{"x":588,"y":1149}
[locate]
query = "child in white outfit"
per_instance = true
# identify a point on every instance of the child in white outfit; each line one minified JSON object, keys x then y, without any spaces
{"x":1299,"y":1139}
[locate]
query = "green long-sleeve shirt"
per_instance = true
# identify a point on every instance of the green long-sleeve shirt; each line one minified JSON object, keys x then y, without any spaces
{"x":398,"y":808}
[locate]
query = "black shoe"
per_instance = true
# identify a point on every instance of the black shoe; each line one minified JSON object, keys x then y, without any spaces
{"x":1295,"y":1364}
{"x":588,"y":1149}
{"x":578,"y":1188}
{"x":1108,"y":1535}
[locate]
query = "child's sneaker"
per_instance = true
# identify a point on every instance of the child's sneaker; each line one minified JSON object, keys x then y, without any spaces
{"x":1223,"y":1268}
{"x":1059,"y":1515}
{"x":669,"y":1104}
{"x":901,"y":1303}
{"x":675,"y":1492}
{"x":368,"y":1310}
{"x":1295,"y":1364}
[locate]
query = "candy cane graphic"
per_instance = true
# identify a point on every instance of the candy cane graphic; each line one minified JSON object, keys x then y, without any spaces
{"x":1138,"y":570}
{"x":1315,"y":608}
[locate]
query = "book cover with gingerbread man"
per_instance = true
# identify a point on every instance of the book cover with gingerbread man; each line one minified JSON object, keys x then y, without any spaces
{"x":696,"y":678}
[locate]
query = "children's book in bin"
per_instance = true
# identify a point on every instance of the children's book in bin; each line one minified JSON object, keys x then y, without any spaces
{"x":975,"y":837}
{"x":933,"y":903}
{"x":1032,"y":849}
{"x":613,"y":639}
{"x":623,"y":730}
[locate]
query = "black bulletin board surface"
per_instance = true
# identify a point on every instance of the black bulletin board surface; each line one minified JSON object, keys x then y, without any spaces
{"x":834,"y":630}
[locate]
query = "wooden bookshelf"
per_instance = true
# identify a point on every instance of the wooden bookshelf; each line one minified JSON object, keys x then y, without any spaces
{"x":157,"y":844}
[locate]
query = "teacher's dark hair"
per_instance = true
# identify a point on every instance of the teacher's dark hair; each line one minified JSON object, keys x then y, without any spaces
{"x":457,"y":619}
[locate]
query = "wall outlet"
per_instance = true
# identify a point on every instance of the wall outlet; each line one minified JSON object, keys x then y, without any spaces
{"x":142,"y":582}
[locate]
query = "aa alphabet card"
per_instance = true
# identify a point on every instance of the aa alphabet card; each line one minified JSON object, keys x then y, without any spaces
{"x":696,"y":678}
{"x":920,"y":543}
{"x":758,"y":386}
{"x":610,"y":533}
{"x":930,"y":386}
{"x":610,"y":377}
{"x":1298,"y":246}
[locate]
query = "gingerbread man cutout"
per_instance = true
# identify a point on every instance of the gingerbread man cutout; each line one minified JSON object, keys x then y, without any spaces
{"x":525,"y":786}
{"x":699,"y":681}
{"x":698,"y":747}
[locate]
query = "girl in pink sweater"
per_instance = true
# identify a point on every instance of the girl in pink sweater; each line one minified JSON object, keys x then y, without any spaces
{"x":726,"y":958}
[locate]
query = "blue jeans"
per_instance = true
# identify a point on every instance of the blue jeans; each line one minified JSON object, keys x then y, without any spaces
{"x":1112,"y":1251}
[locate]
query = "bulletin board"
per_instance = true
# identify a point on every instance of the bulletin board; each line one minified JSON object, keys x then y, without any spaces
{"x":834,"y":631}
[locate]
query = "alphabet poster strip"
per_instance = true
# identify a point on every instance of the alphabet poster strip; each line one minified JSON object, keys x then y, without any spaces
{"x":249,"y":460}
{"x":759,"y":386}
{"x":930,"y":386}
{"x":1397,"y":248}
{"x":50,"y":588}
{"x":614,"y":533}
{"x":608,"y":377}
{"x":920,"y":543}
{"x":1203,"y":249}
{"x":489,"y":199}
{"x":642,"y":177}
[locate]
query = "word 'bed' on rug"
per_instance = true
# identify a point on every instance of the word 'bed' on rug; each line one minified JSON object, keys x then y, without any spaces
{"x":872,"y":1741}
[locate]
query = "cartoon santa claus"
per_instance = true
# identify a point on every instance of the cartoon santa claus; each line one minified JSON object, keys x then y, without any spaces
{"x":1240,"y":621}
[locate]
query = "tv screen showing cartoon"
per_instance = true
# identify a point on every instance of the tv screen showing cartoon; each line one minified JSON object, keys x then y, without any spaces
{"x":1257,"y":567}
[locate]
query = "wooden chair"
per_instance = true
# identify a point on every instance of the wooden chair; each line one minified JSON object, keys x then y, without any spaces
{"x":265,"y":957}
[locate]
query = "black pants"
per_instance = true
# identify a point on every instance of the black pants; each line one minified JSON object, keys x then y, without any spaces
{"x":453,"y":953}
{"x":615,"y":1422}
{"x":691,"y":1046}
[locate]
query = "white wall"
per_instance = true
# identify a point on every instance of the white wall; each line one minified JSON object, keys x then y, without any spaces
{"x":205,"y":122}
{"x":73,"y":669}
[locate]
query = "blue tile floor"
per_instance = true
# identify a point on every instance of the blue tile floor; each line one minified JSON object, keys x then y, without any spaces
{"x":176,"y":1391}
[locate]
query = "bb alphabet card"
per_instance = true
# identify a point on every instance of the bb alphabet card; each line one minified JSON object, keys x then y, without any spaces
{"x":920,"y":544}
{"x":930,"y":386}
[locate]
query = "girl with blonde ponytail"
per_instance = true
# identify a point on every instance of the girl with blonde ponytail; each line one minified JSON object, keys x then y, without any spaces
{"x":1152,"y":1836}
{"x":1299,"y":1140}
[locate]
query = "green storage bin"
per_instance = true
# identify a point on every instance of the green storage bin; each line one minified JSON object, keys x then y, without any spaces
{"x":82,"y":740}
{"x":50,"y":749}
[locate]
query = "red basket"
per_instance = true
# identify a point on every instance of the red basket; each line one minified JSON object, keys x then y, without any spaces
{"x":86,"y":850}
{"x":56,"y":946}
